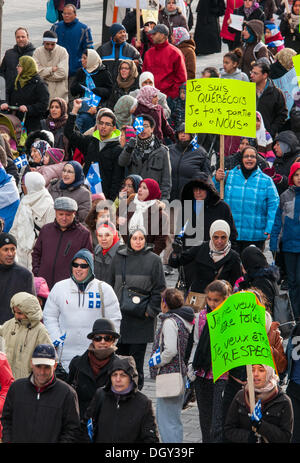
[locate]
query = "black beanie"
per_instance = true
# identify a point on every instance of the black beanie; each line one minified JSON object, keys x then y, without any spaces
{"x":7,"y":238}
{"x":253,"y":258}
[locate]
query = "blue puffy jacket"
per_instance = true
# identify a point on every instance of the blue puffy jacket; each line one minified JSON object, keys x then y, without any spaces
{"x":253,"y":203}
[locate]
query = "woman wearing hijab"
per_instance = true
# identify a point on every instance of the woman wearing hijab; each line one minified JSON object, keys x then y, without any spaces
{"x":127,"y":81}
{"x":127,"y":193}
{"x":264,"y":140}
{"x":275,"y":424}
{"x":72,"y":185}
{"x":212,"y":260}
{"x":93,"y":79}
{"x":249,"y":10}
{"x":171,"y":15}
{"x":253,"y":199}
{"x":124,"y":109}
{"x":35,"y":210}
{"x":102,"y":211}
{"x":55,"y":123}
{"x":147,"y":99}
{"x":181,"y":39}
{"x":147,"y":78}
{"x":289,"y":27}
{"x":29,"y":94}
{"x":145,"y":210}
{"x":9,"y":198}
{"x":108,"y":244}
{"x":207,"y":31}
{"x":74,"y":304}
{"x":136,"y":266}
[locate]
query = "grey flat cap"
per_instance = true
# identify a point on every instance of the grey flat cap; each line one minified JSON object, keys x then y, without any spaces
{"x":65,"y":204}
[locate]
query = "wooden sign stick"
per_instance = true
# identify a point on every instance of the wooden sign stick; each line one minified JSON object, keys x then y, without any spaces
{"x":222,"y":165}
{"x":251,"y":387}
{"x":138,"y":21}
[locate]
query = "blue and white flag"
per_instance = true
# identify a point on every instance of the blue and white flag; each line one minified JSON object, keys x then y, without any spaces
{"x":93,"y":179}
{"x":194,"y":144}
{"x":90,"y":98}
{"x":155,"y":358}
{"x":90,"y":429}
{"x":21,"y":161}
{"x":59,"y":341}
{"x":139,"y":125}
{"x":257,"y":414}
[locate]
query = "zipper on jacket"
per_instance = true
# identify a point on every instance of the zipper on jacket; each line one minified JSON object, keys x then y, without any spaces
{"x":57,"y":250}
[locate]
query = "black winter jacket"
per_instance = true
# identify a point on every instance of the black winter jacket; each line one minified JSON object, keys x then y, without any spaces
{"x":282,"y":165}
{"x":272,"y":106}
{"x":111,"y":173}
{"x":51,"y":416}
{"x":204,"y":269}
{"x":111,"y":53}
{"x":8,"y":68}
{"x":102,"y":80}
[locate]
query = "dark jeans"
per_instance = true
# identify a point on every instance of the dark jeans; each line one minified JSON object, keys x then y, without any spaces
{"x":137,"y":351}
{"x":292,"y":264}
{"x":239,"y":246}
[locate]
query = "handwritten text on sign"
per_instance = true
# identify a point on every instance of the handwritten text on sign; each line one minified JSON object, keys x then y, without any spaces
{"x":221,"y":106}
{"x":238,"y":334}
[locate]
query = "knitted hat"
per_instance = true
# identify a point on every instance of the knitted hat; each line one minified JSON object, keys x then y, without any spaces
{"x":50,"y":36}
{"x":41,"y":146}
{"x":253,"y":258}
{"x":136,"y":179}
{"x":129,"y":132}
{"x":293,"y":170}
{"x":7,"y":238}
{"x":153,"y":187}
{"x":56,"y":154}
{"x":41,"y":287}
{"x":115,"y":28}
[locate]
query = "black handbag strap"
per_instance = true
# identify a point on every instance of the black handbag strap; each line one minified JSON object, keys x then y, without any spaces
{"x":124,"y":272}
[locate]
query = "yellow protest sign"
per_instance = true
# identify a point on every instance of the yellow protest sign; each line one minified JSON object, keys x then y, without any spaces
{"x":296,"y":61}
{"x":221,"y":106}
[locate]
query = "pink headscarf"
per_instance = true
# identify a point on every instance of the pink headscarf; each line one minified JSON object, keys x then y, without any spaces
{"x":146,"y":94}
{"x":180,"y":34}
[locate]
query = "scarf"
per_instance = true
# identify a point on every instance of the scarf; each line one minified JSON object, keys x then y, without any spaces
{"x":294,"y":21}
{"x":55,"y":124}
{"x":145,"y":96}
{"x":79,"y":177}
{"x":122,"y":110}
{"x":125,"y":391}
{"x":137,"y":220}
{"x":249,"y":11}
{"x":180,"y":34}
{"x":93,"y":60}
{"x":115,"y":235}
{"x":144,"y":145}
{"x":29,"y":70}
{"x":269,"y":390}
{"x":218,"y":255}
{"x":125,"y":84}
{"x":98,"y":358}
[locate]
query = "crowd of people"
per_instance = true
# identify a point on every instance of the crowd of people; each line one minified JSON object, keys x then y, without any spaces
{"x":93,"y":149}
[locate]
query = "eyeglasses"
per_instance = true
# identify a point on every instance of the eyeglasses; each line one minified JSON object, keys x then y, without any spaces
{"x":107,"y":124}
{"x":146,"y":126}
{"x":106,"y":338}
{"x":75,"y":265}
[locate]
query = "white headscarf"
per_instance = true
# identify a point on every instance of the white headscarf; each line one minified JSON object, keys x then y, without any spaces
{"x":145,"y":76}
{"x":261,"y":137}
{"x":219,"y":225}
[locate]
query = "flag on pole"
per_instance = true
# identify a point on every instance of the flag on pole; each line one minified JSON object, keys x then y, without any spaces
{"x":21,"y":161}
{"x":59,"y":341}
{"x":93,"y":179}
{"x":90,"y":98}
{"x":194,"y":144}
{"x":139,"y":125}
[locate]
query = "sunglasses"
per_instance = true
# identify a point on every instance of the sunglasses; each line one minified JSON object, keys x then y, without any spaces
{"x":74,"y":264}
{"x":106,"y":338}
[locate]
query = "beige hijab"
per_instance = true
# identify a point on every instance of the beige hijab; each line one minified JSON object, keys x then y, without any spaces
{"x":93,"y":60}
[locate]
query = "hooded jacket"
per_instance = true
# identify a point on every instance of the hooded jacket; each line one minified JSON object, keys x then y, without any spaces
{"x":73,"y":311}
{"x":22,"y":336}
{"x":126,"y":418}
{"x":254,"y":51}
{"x":286,"y":228}
{"x":8,"y":68}
{"x":282,"y":165}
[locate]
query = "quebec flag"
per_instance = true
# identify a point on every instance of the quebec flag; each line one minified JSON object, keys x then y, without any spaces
{"x":21,"y":161}
{"x":93,"y":179}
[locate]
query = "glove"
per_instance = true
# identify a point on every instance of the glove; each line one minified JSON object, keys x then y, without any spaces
{"x":277,"y":178}
{"x":191,"y":373}
{"x":131,"y":144}
{"x":177,"y":246}
{"x":257,"y":414}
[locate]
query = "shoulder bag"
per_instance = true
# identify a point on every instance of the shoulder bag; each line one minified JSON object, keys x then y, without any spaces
{"x":134,"y":301}
{"x":197,"y":300}
{"x":51,"y":12}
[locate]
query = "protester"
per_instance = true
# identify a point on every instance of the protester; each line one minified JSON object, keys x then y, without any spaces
{"x":231,"y":66}
{"x":182,"y":40}
{"x":287,"y":149}
{"x":9,"y":198}
{"x":58,"y":241}
{"x":253,"y":48}
{"x":229,"y":37}
{"x":23,"y":333}
{"x":53,"y":65}
{"x":145,"y":41}
{"x":54,"y":416}
{"x":207,"y":31}
{"x":137,"y":267}
{"x":75,"y":303}
{"x":101,"y":211}
{"x":171,"y":339}
{"x":108,"y":244}
{"x":55,"y":123}
{"x":36,"y":209}
{"x":125,"y":83}
{"x":289,"y":27}
{"x":89,"y":371}
{"x":6,"y":378}
{"x":14,"y":277}
{"x":53,"y":165}
{"x":273,"y":38}
{"x":283,"y":63}
{"x":123,"y":110}
{"x":249,"y":10}
{"x":171,"y":15}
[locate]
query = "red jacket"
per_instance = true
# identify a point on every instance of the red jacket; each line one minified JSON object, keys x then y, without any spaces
{"x":54,"y":250}
{"x":167,"y":64}
{"x":6,"y":378}
{"x":231,"y":5}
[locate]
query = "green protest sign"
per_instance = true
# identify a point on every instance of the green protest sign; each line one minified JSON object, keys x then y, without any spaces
{"x":221,"y":106}
{"x":238,"y":334}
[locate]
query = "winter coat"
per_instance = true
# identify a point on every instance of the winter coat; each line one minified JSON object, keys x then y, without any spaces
{"x":113,"y":53}
{"x":291,"y":39}
{"x":256,"y":14}
{"x":51,"y":172}
{"x":236,"y":159}
{"x":68,"y":310}
{"x":57,"y":81}
{"x":162,"y":101}
{"x":35,"y":211}
{"x":82,"y":378}
{"x":186,"y":164}
{"x":204,"y":269}
{"x":207,"y":31}
{"x":14,"y":279}
{"x":171,"y":21}
{"x":286,"y":228}
{"x":214,"y":208}
{"x":276,"y":423}
{"x":54,"y":250}
{"x":253,"y":203}
{"x":295,"y":120}
{"x":75,"y":37}
{"x":8,"y":68}
{"x":172,"y":74}
{"x":6,"y":378}
{"x":282,"y":164}
{"x":102,"y":80}
{"x":126,"y":418}
{"x":35,"y":96}
{"x":264,"y":279}
{"x":155,"y":165}
{"x":230,"y":6}
{"x":144,"y":270}
{"x":81,"y":194}
{"x":156,"y":215}
{"x":53,"y":413}
{"x":272,"y":106}
{"x":162,"y":128}
{"x":117,"y":92}
{"x":255,"y":50}
{"x":102,"y":262}
{"x":187,"y":47}
{"x":21,"y":338}
{"x":106,"y":153}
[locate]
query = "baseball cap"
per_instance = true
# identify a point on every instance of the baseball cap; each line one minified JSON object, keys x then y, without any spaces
{"x":44,"y":354}
{"x":162,"y":28}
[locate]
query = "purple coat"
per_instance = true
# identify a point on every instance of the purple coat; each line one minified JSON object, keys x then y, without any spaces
{"x":54,"y":250}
